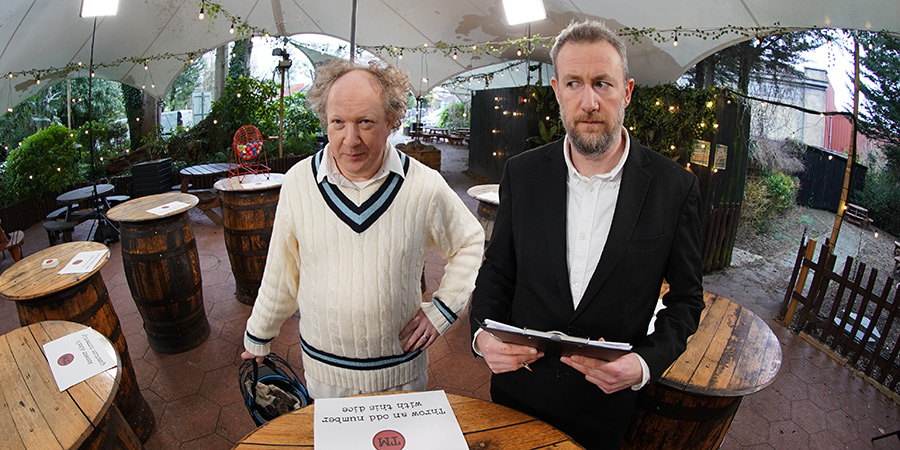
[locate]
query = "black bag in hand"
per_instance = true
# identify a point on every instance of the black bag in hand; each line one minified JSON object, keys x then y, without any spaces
{"x":272,"y":389}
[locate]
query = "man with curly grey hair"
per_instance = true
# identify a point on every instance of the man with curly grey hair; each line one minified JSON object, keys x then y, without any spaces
{"x":348,"y":245}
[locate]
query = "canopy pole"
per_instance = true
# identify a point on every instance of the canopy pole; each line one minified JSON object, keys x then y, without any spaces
{"x":528,"y":57}
{"x":851,"y":155}
{"x":353,"y":30}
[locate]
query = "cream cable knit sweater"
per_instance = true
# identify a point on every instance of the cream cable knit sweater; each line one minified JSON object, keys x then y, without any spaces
{"x":356,"y":291}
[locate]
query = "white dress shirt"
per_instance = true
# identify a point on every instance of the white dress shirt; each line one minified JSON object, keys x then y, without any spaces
{"x":591,"y":203}
{"x":390,"y":163}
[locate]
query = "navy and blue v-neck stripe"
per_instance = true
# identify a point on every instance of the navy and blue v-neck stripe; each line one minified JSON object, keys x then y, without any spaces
{"x":360,"y":217}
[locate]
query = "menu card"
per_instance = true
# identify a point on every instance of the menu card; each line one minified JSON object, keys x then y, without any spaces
{"x":84,"y":262}
{"x":411,"y":420}
{"x":78,"y":356}
{"x":168,"y":208}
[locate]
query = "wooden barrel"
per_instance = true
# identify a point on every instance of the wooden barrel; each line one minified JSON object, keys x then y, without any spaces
{"x":84,"y":416}
{"x":248,"y":210}
{"x":39,"y":296}
{"x":488,"y":201}
{"x":669,"y":418}
{"x":162,"y":267}
{"x":732,"y":354}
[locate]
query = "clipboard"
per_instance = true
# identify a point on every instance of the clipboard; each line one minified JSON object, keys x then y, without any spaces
{"x":555,"y":342}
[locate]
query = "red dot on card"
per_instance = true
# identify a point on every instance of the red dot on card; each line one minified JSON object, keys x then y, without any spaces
{"x":77,"y":261}
{"x":388,"y":440}
{"x":48,"y":261}
{"x":165,"y":207}
{"x":65,"y":359}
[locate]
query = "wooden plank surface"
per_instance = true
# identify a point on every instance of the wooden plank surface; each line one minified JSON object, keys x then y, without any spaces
{"x":36,"y":414}
{"x":252,"y":182}
{"x":484,"y":425}
{"x":27,"y":280}
{"x":733,"y":353}
{"x":135,"y":210}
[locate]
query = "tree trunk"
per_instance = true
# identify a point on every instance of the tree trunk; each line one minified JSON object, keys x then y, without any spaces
{"x":221,"y":61}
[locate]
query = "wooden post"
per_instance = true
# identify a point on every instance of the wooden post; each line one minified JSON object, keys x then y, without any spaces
{"x":801,"y":281}
{"x":851,"y":156}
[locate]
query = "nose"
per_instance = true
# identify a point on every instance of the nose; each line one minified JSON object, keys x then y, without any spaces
{"x":352,"y":137}
{"x":590,"y":100}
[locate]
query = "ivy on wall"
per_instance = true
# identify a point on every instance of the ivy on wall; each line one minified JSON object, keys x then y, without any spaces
{"x":668,"y":118}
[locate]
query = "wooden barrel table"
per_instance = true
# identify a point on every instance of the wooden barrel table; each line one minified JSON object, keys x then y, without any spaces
{"x":162,"y":267}
{"x":483,"y":424}
{"x":732,"y":354}
{"x":37,"y":415}
{"x":248,"y":210}
{"x":43,"y":294}
{"x":488,"y":196}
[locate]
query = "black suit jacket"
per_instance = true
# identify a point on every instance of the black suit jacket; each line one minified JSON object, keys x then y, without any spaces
{"x":524,"y":281}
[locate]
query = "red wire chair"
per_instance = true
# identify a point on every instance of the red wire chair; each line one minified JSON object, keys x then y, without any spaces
{"x":249,"y":153}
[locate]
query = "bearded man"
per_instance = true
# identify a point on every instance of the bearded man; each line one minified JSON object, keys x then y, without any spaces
{"x":587,"y":230}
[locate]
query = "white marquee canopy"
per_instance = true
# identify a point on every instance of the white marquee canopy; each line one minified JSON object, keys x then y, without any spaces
{"x":47,"y":39}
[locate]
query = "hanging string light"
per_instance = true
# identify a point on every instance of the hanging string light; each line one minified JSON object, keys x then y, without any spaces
{"x":201,"y":15}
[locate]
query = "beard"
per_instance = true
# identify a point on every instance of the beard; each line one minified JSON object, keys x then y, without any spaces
{"x":593,"y":146}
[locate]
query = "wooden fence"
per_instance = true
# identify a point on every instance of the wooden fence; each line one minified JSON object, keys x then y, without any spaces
{"x":847,"y":312}
{"x":721,"y":230}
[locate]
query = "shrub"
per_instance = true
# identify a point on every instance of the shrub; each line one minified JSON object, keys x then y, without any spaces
{"x":881,"y":196}
{"x":453,"y":116}
{"x":45,"y":162}
{"x":767,"y":197}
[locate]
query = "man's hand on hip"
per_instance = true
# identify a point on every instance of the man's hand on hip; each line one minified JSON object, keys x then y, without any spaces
{"x":419,"y":333}
{"x":502,"y":357}
{"x":610,"y":376}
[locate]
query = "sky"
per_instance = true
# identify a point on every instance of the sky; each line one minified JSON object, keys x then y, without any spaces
{"x":839,"y":65}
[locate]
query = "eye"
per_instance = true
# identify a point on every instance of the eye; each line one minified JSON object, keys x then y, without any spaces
{"x":602,"y":84}
{"x":573,"y":84}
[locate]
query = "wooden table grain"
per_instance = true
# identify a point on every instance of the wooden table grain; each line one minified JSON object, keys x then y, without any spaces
{"x":35,"y":414}
{"x":484,"y":425}
{"x":732,"y":354}
{"x":135,"y":210}
{"x":27,"y":279}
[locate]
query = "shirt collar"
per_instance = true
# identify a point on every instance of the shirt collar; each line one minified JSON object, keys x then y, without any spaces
{"x":613,"y":174}
{"x":328,"y":168}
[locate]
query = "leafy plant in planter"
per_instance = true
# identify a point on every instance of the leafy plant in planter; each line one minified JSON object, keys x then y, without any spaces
{"x":666,"y":116}
{"x":45,"y":162}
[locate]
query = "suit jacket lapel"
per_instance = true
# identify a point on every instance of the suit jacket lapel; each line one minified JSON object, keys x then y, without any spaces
{"x":635,"y":183}
{"x":552,"y":185}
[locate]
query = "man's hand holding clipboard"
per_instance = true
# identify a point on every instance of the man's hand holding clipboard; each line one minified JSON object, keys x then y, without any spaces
{"x":555,"y":343}
{"x":611,"y":366}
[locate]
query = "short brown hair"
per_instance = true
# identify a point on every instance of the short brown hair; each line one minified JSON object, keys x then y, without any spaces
{"x":588,"y":32}
{"x":395,"y":87}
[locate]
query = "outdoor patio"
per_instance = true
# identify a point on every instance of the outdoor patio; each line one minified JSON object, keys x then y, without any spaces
{"x":814,"y":402}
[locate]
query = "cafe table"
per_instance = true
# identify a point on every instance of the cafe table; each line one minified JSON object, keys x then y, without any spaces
{"x":732,"y":354}
{"x":41,"y":293}
{"x":488,"y":196}
{"x":248,"y":210}
{"x":34,"y":414}
{"x":202,"y":170}
{"x":483,"y":424}
{"x":87,"y":198}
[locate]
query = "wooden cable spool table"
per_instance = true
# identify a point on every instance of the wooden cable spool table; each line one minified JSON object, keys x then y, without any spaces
{"x":43,"y":294}
{"x":35,"y":414}
{"x":248,"y":210}
{"x":162,"y":267}
{"x":484,"y":425}
{"x":732,"y":354}
{"x":488,"y":196}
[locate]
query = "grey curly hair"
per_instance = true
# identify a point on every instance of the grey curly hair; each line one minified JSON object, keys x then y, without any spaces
{"x":395,"y":87}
